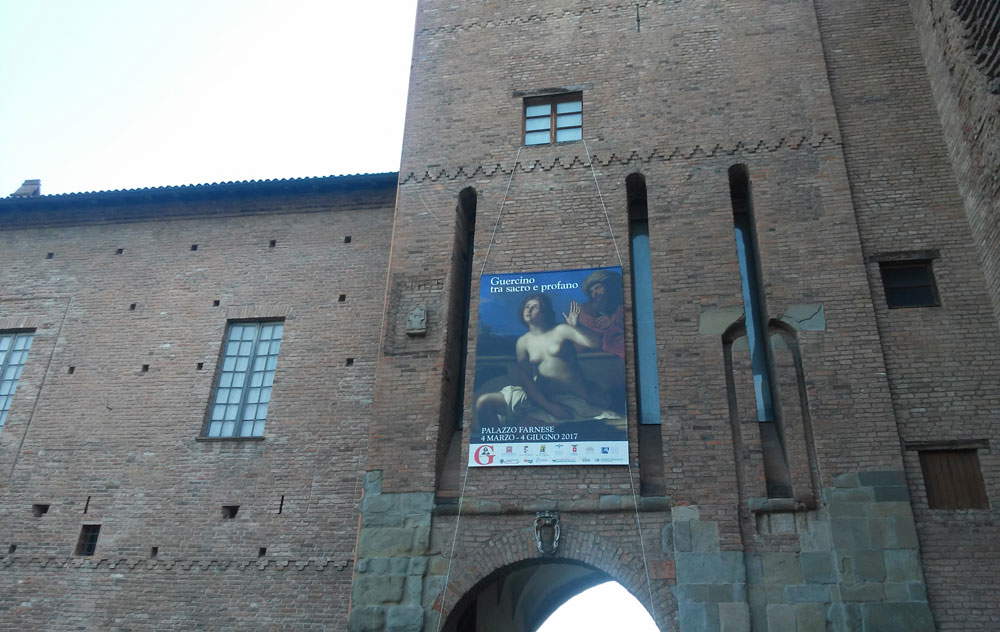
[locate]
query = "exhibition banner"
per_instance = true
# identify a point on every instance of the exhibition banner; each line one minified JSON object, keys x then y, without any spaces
{"x":550,"y":370}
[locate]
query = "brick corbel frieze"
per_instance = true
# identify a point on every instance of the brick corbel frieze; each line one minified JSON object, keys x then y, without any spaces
{"x":657,"y":155}
{"x":318,"y":565}
{"x":534,"y":18}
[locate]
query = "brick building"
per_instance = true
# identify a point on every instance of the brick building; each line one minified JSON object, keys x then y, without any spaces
{"x":249,"y":405}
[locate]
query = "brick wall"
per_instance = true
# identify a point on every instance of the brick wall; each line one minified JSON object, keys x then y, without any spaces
{"x":941,"y":361}
{"x":680,"y":96}
{"x":831,"y":109}
{"x":968,"y":103}
{"x":112,"y":445}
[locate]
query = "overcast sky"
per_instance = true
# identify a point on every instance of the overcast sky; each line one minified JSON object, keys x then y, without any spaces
{"x":114,"y":94}
{"x":607,"y":606}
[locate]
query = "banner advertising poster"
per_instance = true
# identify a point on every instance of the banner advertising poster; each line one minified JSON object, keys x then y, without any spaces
{"x":550,"y":370}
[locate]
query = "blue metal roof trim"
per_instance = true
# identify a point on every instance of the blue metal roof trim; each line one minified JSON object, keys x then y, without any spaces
{"x":275,"y":185}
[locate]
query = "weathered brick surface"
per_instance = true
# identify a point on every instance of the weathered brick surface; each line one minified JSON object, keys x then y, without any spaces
{"x":109,"y":444}
{"x":830,"y":105}
{"x":969,"y":107}
{"x":912,"y":187}
{"x":847,"y":158}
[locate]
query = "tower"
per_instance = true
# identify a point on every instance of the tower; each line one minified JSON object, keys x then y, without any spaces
{"x":772,"y":180}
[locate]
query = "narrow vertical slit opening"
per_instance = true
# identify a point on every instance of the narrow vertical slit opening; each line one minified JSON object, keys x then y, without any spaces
{"x":647,"y":379}
{"x":451,"y":423}
{"x":465,"y":233}
{"x":776,"y":469}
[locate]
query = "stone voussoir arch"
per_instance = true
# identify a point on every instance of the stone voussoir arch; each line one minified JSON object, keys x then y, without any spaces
{"x":477,"y":565}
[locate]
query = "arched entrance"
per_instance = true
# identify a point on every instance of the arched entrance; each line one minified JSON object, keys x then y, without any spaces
{"x":521,"y":596}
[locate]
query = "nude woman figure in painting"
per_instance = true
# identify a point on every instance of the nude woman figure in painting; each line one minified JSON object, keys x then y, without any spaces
{"x":548,"y":383}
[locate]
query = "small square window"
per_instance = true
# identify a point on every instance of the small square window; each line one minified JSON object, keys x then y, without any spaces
{"x":87,"y":543}
{"x":242,"y":392}
{"x":953,"y":479}
{"x":909,"y":284}
{"x":553,"y":119}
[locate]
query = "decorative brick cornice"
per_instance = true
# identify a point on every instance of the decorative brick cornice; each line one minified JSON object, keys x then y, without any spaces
{"x":145,"y":564}
{"x":535,"y":18}
{"x":981,"y":19}
{"x":696,"y":152}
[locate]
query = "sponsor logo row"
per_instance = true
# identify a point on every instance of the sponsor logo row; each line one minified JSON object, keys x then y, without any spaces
{"x":583,"y":452}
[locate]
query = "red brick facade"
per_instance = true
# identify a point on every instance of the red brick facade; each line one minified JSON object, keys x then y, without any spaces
{"x":855,"y":140}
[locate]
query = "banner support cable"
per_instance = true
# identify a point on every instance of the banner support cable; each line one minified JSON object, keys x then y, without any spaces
{"x":451,"y":554}
{"x":600,"y":196}
{"x":631,"y":481}
{"x":503,"y":202}
{"x":465,"y":478}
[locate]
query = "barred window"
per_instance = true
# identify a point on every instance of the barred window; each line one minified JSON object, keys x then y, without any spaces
{"x":13,"y":354}
{"x":243,"y":387}
{"x":553,"y":119}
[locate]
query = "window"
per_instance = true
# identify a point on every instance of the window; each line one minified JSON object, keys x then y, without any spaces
{"x":243,"y":390}
{"x":909,"y":284}
{"x":647,"y":378}
{"x":953,"y":479}
{"x":754,"y":313}
{"x":87,"y":543}
{"x":553,"y":119}
{"x":13,"y":354}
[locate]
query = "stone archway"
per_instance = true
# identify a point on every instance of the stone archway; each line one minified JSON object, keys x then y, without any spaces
{"x":520,"y":596}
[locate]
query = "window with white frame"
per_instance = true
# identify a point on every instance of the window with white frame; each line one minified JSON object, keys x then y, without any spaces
{"x":13,"y":354}
{"x":243,"y":386}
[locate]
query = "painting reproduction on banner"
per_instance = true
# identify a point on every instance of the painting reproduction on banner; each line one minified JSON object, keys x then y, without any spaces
{"x":550,"y":370}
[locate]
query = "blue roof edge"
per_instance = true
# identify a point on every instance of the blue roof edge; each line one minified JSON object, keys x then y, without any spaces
{"x":210,"y":190}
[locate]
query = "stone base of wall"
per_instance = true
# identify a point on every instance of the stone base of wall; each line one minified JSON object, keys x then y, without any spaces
{"x":857,"y":567}
{"x":394,"y":571}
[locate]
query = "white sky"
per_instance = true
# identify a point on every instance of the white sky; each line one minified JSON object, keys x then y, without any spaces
{"x":113,"y":94}
{"x":607,"y":606}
